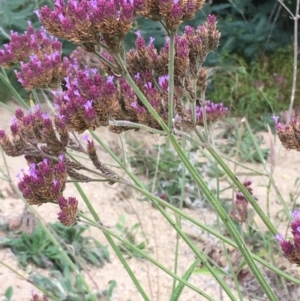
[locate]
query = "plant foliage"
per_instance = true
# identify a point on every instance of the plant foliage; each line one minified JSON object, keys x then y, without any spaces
{"x":38,"y":249}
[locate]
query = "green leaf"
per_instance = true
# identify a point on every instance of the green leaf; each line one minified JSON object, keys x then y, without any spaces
{"x":112,"y":285}
{"x":9,"y":293}
{"x":178,"y":290}
{"x":205,"y":271}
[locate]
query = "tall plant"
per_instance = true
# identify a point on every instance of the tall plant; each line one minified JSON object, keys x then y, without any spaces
{"x":143,"y":89}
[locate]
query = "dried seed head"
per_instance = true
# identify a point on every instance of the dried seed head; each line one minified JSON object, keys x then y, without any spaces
{"x":201,"y":41}
{"x":202,"y":79}
{"x":240,"y":211}
{"x":68,"y":214}
{"x":28,"y":131}
{"x":173,"y":12}
{"x":289,"y":135}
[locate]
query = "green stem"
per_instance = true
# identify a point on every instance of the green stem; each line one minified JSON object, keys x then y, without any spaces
{"x":14,"y":91}
{"x":145,"y":255}
{"x":172,"y":223}
{"x":286,"y":209}
{"x":6,"y":107}
{"x":45,"y":291}
{"x":214,"y":233}
{"x":66,"y":257}
{"x":135,"y":125}
{"x":171,"y":80}
{"x":178,"y":221}
{"x":218,"y":208}
{"x":244,"y":190}
{"x":192,"y":220}
{"x":35,"y":96}
{"x":112,"y":243}
{"x":224,"y":216}
{"x":106,"y":61}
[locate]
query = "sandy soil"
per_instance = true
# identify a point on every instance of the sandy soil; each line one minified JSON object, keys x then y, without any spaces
{"x":112,"y":201}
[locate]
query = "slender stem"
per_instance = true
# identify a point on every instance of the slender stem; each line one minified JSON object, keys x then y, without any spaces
{"x":287,"y":9}
{"x":46,"y":292}
{"x":224,"y":216}
{"x":112,"y":243}
{"x":4,"y":73}
{"x":135,"y":125}
{"x":178,"y":221}
{"x":14,"y":91}
{"x":295,"y":66}
{"x":171,"y":80}
{"x":35,"y":96}
{"x":145,"y":255}
{"x":245,"y":192}
{"x":6,"y":107}
{"x":270,"y":175}
{"x":152,"y":222}
{"x":106,"y":178}
{"x":4,"y":33}
{"x":193,"y":102}
{"x":214,"y":233}
{"x":237,"y":151}
{"x":169,"y":219}
{"x":178,"y":290}
{"x":106,"y":61}
{"x":217,"y":206}
{"x":203,"y":104}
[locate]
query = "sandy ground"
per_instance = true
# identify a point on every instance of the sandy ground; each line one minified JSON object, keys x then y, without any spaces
{"x":112,"y":201}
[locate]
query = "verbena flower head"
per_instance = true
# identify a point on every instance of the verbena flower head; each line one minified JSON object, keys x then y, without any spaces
{"x":69,"y":207}
{"x":173,"y":12}
{"x":83,"y":22}
{"x":240,"y":211}
{"x":289,"y":134}
{"x":39,"y":56}
{"x":29,"y":130}
{"x":291,"y":248}
{"x":213,"y":112}
{"x":43,"y":182}
{"x":94,"y":90}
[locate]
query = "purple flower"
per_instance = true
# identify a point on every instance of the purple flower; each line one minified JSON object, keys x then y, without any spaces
{"x":295,"y":214}
{"x":279,"y":237}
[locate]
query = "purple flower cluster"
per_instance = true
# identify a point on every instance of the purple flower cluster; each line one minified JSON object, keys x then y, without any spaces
{"x":43,"y":182}
{"x":172,"y":12}
{"x":30,"y":130}
{"x":39,"y":56}
{"x":69,"y":207}
{"x":22,"y":46}
{"x":240,"y":211}
{"x":291,"y":249}
{"x":88,"y":100}
{"x":82,"y":21}
{"x":202,"y":40}
{"x":43,"y":72}
{"x":213,"y":112}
